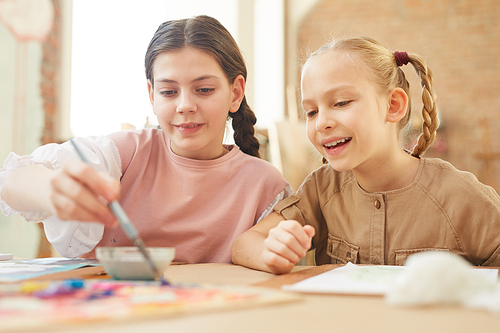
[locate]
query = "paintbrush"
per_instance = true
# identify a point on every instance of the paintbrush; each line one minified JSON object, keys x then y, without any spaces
{"x":128,"y":227}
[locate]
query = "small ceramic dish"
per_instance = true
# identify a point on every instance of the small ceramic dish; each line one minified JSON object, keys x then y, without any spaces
{"x":128,"y":263}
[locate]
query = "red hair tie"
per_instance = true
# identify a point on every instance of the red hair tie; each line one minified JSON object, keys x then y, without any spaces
{"x":401,"y":58}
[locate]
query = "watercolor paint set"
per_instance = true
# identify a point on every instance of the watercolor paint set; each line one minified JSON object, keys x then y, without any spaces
{"x":36,"y":304}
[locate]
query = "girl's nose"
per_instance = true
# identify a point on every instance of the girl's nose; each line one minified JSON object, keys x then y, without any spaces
{"x":186,"y":104}
{"x":324,"y":122}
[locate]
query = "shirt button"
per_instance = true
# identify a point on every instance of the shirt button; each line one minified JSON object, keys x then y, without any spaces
{"x":377,"y":204}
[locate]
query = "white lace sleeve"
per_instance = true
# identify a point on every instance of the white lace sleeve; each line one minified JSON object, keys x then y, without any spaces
{"x":70,"y":238}
{"x":287,"y":191}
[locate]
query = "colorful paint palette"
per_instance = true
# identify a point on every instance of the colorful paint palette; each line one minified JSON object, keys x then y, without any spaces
{"x":32,"y":305}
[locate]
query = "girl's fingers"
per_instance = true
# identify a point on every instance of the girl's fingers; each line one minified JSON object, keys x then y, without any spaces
{"x":276,"y":263}
{"x":99,"y":183}
{"x":296,"y":236}
{"x":77,"y":195}
{"x":310,"y":231}
{"x":74,"y":200}
{"x":281,"y":249}
{"x":68,"y":209}
{"x":289,"y":240}
{"x":285,"y":245}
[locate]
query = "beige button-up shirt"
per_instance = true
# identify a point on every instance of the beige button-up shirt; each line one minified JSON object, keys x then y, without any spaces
{"x":442,"y":209}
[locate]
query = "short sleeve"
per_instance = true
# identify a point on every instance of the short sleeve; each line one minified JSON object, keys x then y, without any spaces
{"x":287,"y":191}
{"x":476,"y":218}
{"x":305,"y":205}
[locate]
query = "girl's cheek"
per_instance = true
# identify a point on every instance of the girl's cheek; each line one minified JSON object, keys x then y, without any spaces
{"x":311,"y":131}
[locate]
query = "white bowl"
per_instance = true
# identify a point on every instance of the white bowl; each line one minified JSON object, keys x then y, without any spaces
{"x":128,"y":263}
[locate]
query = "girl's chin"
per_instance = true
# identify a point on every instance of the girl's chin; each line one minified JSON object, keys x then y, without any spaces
{"x":338,"y":166}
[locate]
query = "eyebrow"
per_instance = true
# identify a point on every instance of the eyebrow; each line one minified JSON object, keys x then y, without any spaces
{"x":331,"y":91}
{"x":201,"y":78}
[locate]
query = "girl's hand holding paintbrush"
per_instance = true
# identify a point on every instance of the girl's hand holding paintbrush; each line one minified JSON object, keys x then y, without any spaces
{"x":81,"y":193}
{"x":74,"y":192}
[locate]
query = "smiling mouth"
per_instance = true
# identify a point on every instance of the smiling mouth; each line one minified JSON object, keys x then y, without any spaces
{"x":189,"y":126}
{"x":337,"y":143}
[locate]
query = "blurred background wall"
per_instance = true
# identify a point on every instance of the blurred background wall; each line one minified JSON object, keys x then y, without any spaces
{"x":35,"y":40}
{"x":458,"y":38}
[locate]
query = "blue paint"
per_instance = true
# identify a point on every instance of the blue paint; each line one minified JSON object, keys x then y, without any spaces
{"x":75,"y":284}
{"x":164,"y":282}
{"x":60,"y":288}
{"x":97,"y":294}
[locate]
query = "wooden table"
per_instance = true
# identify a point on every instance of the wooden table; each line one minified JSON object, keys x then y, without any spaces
{"x":312,"y":313}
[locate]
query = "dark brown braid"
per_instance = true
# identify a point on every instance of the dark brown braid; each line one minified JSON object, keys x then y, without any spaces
{"x":243,"y":124}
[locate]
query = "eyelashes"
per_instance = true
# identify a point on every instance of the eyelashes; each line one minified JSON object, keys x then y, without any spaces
{"x":200,"y":91}
{"x":206,"y":90}
{"x":341,"y":104}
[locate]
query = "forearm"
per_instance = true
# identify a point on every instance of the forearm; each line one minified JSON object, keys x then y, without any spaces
{"x":28,"y":189}
{"x":247,"y":250}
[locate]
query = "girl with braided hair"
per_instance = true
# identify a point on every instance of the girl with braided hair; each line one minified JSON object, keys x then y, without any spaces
{"x":180,"y":185}
{"x":373,"y":202}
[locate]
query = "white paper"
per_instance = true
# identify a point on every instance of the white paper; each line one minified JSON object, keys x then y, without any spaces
{"x":6,"y":256}
{"x":9,"y":268}
{"x":361,"y":280}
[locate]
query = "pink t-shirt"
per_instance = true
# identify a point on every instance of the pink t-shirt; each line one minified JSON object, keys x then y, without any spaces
{"x":197,"y":206}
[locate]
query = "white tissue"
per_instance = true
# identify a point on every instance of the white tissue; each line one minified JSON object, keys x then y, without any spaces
{"x":436,"y":277}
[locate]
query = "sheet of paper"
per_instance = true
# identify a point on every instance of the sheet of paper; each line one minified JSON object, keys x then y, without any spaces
{"x":18,"y":270}
{"x":6,"y":256}
{"x":58,"y":261}
{"x":360,"y":280}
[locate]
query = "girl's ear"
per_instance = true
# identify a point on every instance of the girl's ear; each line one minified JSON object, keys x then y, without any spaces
{"x":151,"y":93}
{"x":238,"y":90}
{"x":398,"y":103}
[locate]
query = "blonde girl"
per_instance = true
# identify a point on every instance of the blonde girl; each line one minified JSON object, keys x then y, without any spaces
{"x":373,"y":202}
